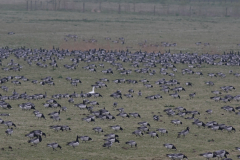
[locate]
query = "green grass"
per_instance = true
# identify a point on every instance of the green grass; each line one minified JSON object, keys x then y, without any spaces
{"x":35,"y":29}
{"x":200,"y":140}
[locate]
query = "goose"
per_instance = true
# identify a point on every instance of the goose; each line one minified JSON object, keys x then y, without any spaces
{"x":209,"y":111}
{"x":131,"y":143}
{"x":138,"y":133}
{"x":92,"y":92}
{"x":208,"y":155}
{"x":188,"y":84}
{"x":139,"y":93}
{"x":144,"y":123}
{"x":40,"y":115}
{"x":199,"y":123}
{"x":112,"y":140}
{"x":183,"y":133}
{"x":88,"y":119}
{"x":98,"y":129}
{"x":221,"y":153}
{"x":56,"y":118}
{"x":9,"y":131}
{"x":65,"y":128}
{"x":175,"y":95}
{"x":135,"y":115}
{"x":229,"y":129}
{"x":143,"y":128}
{"x":54,"y":146}
{"x":123,"y":115}
{"x":153,"y":134}
{"x":115,"y":104}
{"x":116,"y":127}
{"x":74,"y":143}
{"x":37,"y":133}
{"x":9,"y":123}
{"x":85,"y":138}
{"x":56,"y":127}
{"x":64,"y":109}
{"x":35,"y":141}
{"x":192,"y":95}
{"x":108,"y":144}
{"x":155,"y":118}
{"x":216,"y":92}
{"x":111,"y":117}
{"x":111,"y":135}
{"x":169,"y":146}
{"x":176,"y":122}
{"x":177,"y":156}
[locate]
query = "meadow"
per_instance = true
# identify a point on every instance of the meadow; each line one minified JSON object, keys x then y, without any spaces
{"x":45,"y":29}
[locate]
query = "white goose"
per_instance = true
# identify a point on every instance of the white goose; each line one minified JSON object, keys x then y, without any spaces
{"x":92,"y":92}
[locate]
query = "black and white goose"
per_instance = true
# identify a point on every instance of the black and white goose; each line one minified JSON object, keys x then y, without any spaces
{"x":113,"y":140}
{"x":123,"y":115}
{"x":111,"y":135}
{"x":98,"y":129}
{"x":108,"y":144}
{"x":135,"y":115}
{"x":221,"y":153}
{"x":153,"y":134}
{"x":162,"y":131}
{"x":208,"y":155}
{"x":183,"y":133}
{"x":116,"y":128}
{"x":9,"y":131}
{"x":169,"y":146}
{"x":85,"y":138}
{"x":138,"y":133}
{"x":176,"y":122}
{"x":74,"y":143}
{"x":177,"y":156}
{"x":9,"y":123}
{"x":54,"y":145}
{"x":144,"y":123}
{"x":54,"y":113}
{"x":35,"y":141}
{"x":131,"y":143}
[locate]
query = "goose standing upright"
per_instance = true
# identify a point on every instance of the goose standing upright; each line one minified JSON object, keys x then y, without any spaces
{"x":92,"y":92}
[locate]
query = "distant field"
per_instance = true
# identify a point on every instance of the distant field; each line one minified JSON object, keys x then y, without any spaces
{"x":40,"y":28}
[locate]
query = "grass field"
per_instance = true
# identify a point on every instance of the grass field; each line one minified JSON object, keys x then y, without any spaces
{"x":47,"y":28}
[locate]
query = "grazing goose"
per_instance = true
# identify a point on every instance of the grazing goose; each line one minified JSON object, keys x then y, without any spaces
{"x":176,"y":122}
{"x":56,"y":127}
{"x":98,"y":129}
{"x":208,"y":155}
{"x":64,"y":109}
{"x":135,"y":115}
{"x":188,"y":84}
{"x":229,"y":129}
{"x":216,"y":92}
{"x":138,"y":133}
{"x":9,"y":131}
{"x":176,"y":156}
{"x":116,"y":127}
{"x":221,"y":153}
{"x":111,"y":135}
{"x":85,"y":138}
{"x":199,"y":123}
{"x":112,"y":140}
{"x":74,"y":143}
{"x":88,"y":119}
{"x":144,"y":123}
{"x":143,"y":128}
{"x":108,"y":144}
{"x":209,"y":111}
{"x":66,"y":128}
{"x":153,"y":134}
{"x":40,"y":115}
{"x":175,"y":95}
{"x":55,"y":118}
{"x":131,"y":143}
{"x":183,"y":133}
{"x":123,"y":115}
{"x":9,"y":123}
{"x":54,"y":146}
{"x":35,"y":141}
{"x":169,"y":146}
{"x":162,"y":131}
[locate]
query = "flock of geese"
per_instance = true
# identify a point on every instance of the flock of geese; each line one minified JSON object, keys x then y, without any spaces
{"x":149,"y":61}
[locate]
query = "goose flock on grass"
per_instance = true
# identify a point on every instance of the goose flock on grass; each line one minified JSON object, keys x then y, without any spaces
{"x":143,"y":63}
